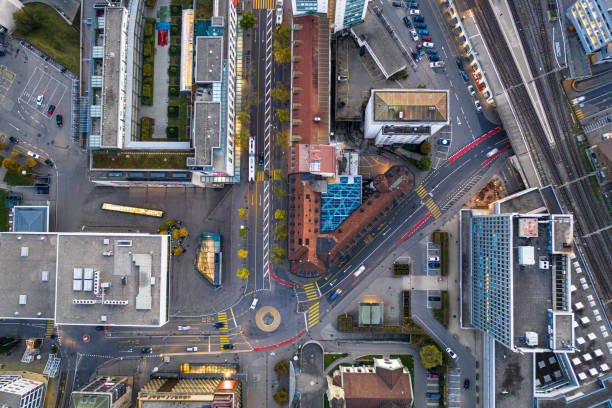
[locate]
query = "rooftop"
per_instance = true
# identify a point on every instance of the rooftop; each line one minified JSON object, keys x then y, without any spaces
{"x":343,"y":196}
{"x":209,"y":257}
{"x":113,"y":17}
{"x":592,"y":23}
{"x":410,"y":105}
{"x":30,"y":218}
{"x":524,"y":202}
{"x":374,"y":35}
{"x":209,"y":59}
{"x":310,"y":87}
{"x":315,"y":159}
{"x":207,"y":135}
{"x":188,"y":392}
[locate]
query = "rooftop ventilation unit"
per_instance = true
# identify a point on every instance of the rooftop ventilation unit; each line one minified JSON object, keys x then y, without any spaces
{"x":106,"y":241}
{"x":45,"y":276}
{"x":116,"y":302}
{"x":84,"y":302}
{"x":88,"y":273}
{"x":125,"y":243}
{"x":103,"y":318}
{"x":24,"y":251}
{"x":96,"y":282}
{"x":23,"y":299}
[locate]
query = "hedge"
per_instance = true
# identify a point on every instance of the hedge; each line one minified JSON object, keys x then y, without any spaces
{"x":441,"y":237}
{"x":172,"y":132}
{"x":174,"y":29}
{"x":173,"y":70}
{"x":173,"y":91}
{"x":146,"y":128}
{"x":151,"y":3}
{"x":147,"y":70}
{"x":148,"y":30}
{"x":176,"y":10}
{"x":345,"y":323}
{"x":174,"y":51}
{"x":147,"y":50}
{"x":173,"y":111}
{"x":401,"y":269}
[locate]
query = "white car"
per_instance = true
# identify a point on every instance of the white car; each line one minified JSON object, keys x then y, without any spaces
{"x":192,"y":349}
{"x":477,"y":105}
{"x":39,"y":100}
{"x":437,"y":64}
{"x":415,"y":36}
{"x":254,"y":303}
{"x":451,"y":353}
{"x":34,"y":155}
{"x":433,"y":259}
{"x":471,"y":90}
{"x":342,"y":78}
{"x":577,"y":100}
{"x":415,"y":12}
{"x":181,"y":328}
{"x":428,"y":45}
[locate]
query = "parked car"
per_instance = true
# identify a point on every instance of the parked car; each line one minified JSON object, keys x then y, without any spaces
{"x":397,"y":4}
{"x":433,"y":395}
{"x":433,"y":259}
{"x":415,"y":12}
{"x":182,"y":328}
{"x":431,"y":51}
{"x":434,"y":265}
{"x":415,"y":37}
{"x":228,"y":347}
{"x":466,"y":383}
{"x":419,"y":46}
{"x":433,"y":58}
{"x":428,"y":44}
{"x":362,"y":50}
{"x":418,"y":19}
{"x":192,"y":349}
{"x":146,"y":350}
{"x":433,"y":298}
{"x":342,"y":78}
{"x":13,"y":139}
{"x":464,"y":76}
{"x":413,"y":4}
{"x":34,"y":155}
{"x":422,"y":31}
{"x":425,"y":38}
{"x":48,"y":162}
{"x":219,"y":325}
{"x":261,"y":159}
{"x":478,"y":105}
{"x":437,"y":64}
{"x":334,"y":295}
{"x":471,"y":90}
{"x":407,"y":22}
{"x":492,"y":152}
{"x":451,"y":353}
{"x":420,"y":25}
{"x":459,"y":63}
{"x":59,"y":119}
{"x":415,"y":55}
{"x":254,"y":303}
{"x":101,"y":328}
{"x":444,"y":142}
{"x":430,"y":375}
{"x":577,"y":100}
{"x":50,"y":110}
{"x":39,"y":99}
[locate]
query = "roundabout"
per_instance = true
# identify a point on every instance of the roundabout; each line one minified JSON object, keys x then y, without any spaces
{"x":267,"y":319}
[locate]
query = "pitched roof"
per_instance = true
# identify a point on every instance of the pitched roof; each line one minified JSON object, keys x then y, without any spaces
{"x":371,"y":389}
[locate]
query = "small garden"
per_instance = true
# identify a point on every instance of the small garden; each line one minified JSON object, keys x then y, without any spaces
{"x":424,"y":149}
{"x":400,"y":269}
{"x":4,"y":212}
{"x":159,"y":159}
{"x":16,"y":174}
{"x":328,"y":358}
{"x":281,"y":396}
{"x":442,"y":313}
{"x":441,"y":238}
{"x":178,"y":102}
{"x":178,"y":233}
{"x":148,"y":62}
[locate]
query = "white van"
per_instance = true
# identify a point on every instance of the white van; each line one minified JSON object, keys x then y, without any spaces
{"x":192,"y":349}
{"x":254,"y":304}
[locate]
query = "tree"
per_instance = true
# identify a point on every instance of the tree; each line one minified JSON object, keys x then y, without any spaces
{"x":248,"y":20}
{"x":242,"y":232}
{"x":15,"y":154}
{"x":175,"y":234}
{"x":31,"y":162}
{"x":280,"y":92}
{"x":281,"y":397}
{"x":278,"y":253}
{"x":283,"y":34}
{"x":282,"y":137}
{"x":244,"y":118}
{"x":425,"y":147}
{"x":280,"y":192}
{"x":424,"y":164}
{"x":283,"y":115}
{"x":178,"y":250}
{"x":243,"y":136}
{"x":170,"y":223}
{"x":280,"y":231}
{"x":1,"y":146}
{"x":162,"y":227}
{"x":10,"y":164}
{"x":431,"y":356}
{"x":242,"y":273}
{"x":183,"y":232}
{"x":281,"y":368}
{"x":28,"y":20}
{"x":242,"y":212}
{"x":282,"y":53}
{"x":280,"y":214}
{"x":242,"y":253}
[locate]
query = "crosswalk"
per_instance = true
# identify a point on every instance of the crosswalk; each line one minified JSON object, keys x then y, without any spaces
{"x":223,"y":337}
{"x":579,"y":113}
{"x":313,"y":315}
{"x":429,"y":203}
{"x":264,"y":4}
{"x":420,"y":190}
{"x":312,"y":291}
{"x":276,"y":175}
{"x":597,"y":124}
{"x":49,"y":329}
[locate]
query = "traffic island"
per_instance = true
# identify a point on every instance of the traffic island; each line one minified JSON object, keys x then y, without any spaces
{"x":267,"y":319}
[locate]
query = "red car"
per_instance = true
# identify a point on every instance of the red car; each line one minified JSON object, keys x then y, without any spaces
{"x":50,"y":110}
{"x":425,"y":38}
{"x":419,"y":46}
{"x":431,"y":375}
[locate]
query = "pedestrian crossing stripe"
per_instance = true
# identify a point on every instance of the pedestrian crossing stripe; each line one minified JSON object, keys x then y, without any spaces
{"x":421,"y":191}
{"x":224,"y":339}
{"x":49,"y":329}
{"x":264,"y":4}
{"x":313,"y":315}
{"x":276,"y":175}
{"x":311,"y":291}
{"x":433,"y":208}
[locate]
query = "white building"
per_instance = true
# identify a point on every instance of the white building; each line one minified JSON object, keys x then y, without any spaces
{"x":19,"y":392}
{"x":342,"y":13}
{"x":398,"y":116}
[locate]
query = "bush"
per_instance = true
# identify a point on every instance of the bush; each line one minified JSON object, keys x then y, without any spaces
{"x":148,"y":60}
{"x":147,"y":50}
{"x":172,"y":132}
{"x":174,"y":51}
{"x":399,"y":75}
{"x":151,"y":3}
{"x":281,"y":368}
{"x":401,"y":269}
{"x":174,"y":29}
{"x":173,"y":70}
{"x":148,"y":30}
{"x":173,"y":111}
{"x":176,"y":10}
{"x":147,"y":91}
{"x":431,"y":356}
{"x":281,"y":397}
{"x":425,"y":148}
{"x":147,"y":81}
{"x":147,"y":70}
{"x":146,"y":128}
{"x":173,"y":91}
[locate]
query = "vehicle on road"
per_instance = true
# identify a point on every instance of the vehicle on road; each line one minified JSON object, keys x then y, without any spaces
{"x":577,"y":100}
{"x":334,"y":295}
{"x":50,"y":110}
{"x":434,"y":58}
{"x":437,"y":64}
{"x":433,"y":298}
{"x":431,"y":51}
{"x":425,"y":38}
{"x":261,"y":159}
{"x":228,"y":347}
{"x":34,"y":155}
{"x":434,"y":265}
{"x":48,"y":162}
{"x":466,"y":383}
{"x":181,"y":328}
{"x":412,"y":4}
{"x":605,"y":136}
{"x":415,"y":36}
{"x":433,"y":395}
{"x":342,"y":78}
{"x":451,"y":353}
{"x":59,"y":119}
{"x":39,"y":99}
{"x":492,"y":152}
{"x":428,"y":44}
{"x":146,"y":350}
{"x":471,"y":90}
{"x":415,"y":12}
{"x":415,"y":55}
{"x":254,"y":303}
{"x":464,"y":76}
{"x":444,"y":142}
{"x":13,"y":139}
{"x":430,"y":375}
{"x":359,"y":271}
{"x":459,"y":63}
{"x":397,"y":4}
{"x":420,"y":25}
{"x":433,"y":259}
{"x":422,"y":31}
{"x":362,"y":50}
{"x":477,"y":105}
{"x":101,"y":328}
{"x":418,"y":19}
{"x":219,"y":325}
{"x":407,"y":22}
{"x":192,"y":349}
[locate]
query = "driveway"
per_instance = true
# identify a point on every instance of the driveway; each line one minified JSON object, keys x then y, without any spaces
{"x":311,"y":382}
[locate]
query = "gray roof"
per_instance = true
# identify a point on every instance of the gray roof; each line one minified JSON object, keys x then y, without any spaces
{"x":30,"y":219}
{"x":207,"y":134}
{"x":110,"y":93}
{"x":209,"y":59}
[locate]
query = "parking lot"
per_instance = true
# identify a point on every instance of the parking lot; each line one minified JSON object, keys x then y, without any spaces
{"x":455,"y":385}
{"x":432,"y":255}
{"x":433,"y":387}
{"x":42,"y":91}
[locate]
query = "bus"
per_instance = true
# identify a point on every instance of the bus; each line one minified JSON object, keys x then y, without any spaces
{"x":132,"y":210}
{"x":251,"y":159}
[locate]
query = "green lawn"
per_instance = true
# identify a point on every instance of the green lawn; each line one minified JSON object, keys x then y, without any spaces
{"x":163,"y":159}
{"x":442,"y":314}
{"x":54,"y":36}
{"x":4,"y":212}
{"x":328,"y":359}
{"x":13,"y":178}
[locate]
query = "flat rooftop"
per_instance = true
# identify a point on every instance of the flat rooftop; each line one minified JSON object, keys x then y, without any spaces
{"x":112,"y":59}
{"x":30,"y":218}
{"x":209,"y":59}
{"x":513,"y":378}
{"x":207,"y":134}
{"x":523,"y":202}
{"x":563,"y":233}
{"x":397,"y":105}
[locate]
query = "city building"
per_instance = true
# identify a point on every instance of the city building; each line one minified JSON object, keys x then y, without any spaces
{"x":200,"y":390}
{"x":104,"y":392}
{"x":314,"y":159}
{"x":516,"y":288}
{"x":19,"y":392}
{"x":399,"y":116}
{"x":371,"y":314}
{"x":386,"y":383}
{"x":341,"y":13}
{"x":85,"y":278}
{"x":592,"y":23}
{"x":30,"y":218}
{"x":209,"y":258}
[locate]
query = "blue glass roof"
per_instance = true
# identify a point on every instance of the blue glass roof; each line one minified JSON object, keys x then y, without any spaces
{"x":341,"y":199}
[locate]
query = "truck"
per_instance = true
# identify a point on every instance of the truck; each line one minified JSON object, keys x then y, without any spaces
{"x":433,"y":395}
{"x":334,"y":295}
